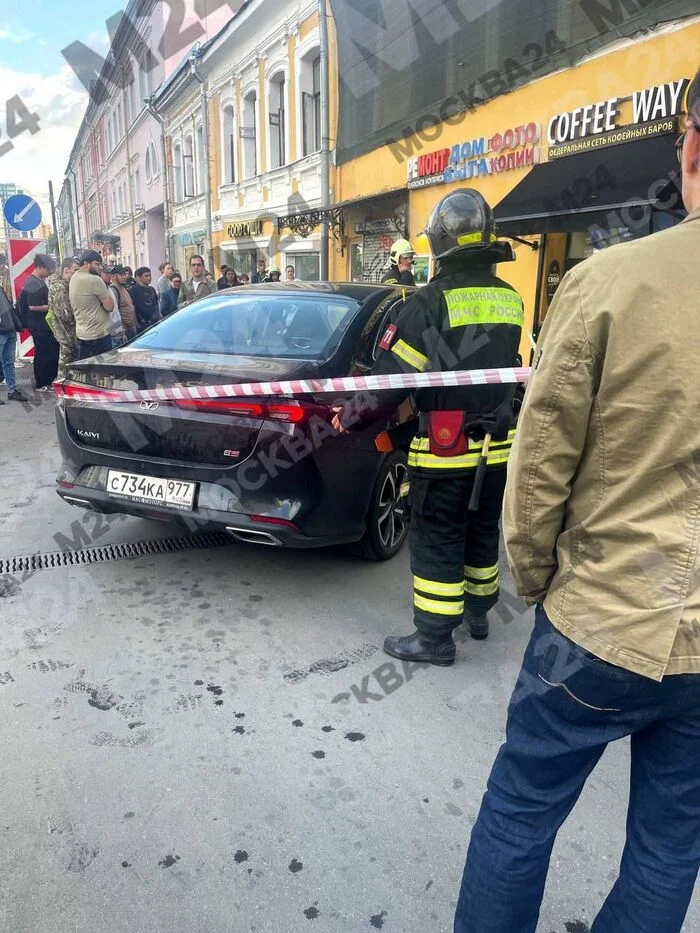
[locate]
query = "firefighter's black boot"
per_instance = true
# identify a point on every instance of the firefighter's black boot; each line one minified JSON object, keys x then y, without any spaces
{"x":418,"y":647}
{"x":478,"y":626}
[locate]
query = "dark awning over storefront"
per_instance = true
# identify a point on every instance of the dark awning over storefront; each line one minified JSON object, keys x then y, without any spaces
{"x":592,"y":188}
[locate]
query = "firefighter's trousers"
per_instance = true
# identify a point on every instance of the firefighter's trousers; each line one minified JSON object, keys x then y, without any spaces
{"x":454,"y":552}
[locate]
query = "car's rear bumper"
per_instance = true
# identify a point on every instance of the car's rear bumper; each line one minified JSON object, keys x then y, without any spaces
{"x":239,"y":526}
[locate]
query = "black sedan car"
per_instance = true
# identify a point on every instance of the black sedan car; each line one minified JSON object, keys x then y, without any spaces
{"x":269,"y":470}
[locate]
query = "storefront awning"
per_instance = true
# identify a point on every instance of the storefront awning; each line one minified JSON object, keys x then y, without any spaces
{"x":575,"y":192}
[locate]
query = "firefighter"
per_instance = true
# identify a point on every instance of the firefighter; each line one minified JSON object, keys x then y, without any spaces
{"x":465,"y":318}
{"x":401,"y":268}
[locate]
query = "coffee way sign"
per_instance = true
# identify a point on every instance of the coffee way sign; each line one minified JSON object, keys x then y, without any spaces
{"x":596,"y":125}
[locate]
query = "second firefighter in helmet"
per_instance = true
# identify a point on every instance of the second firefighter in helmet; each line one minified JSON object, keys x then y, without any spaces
{"x":465,"y":318}
{"x":401,"y":268}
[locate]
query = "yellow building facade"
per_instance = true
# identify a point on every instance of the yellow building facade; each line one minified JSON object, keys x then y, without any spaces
{"x":558,"y":139}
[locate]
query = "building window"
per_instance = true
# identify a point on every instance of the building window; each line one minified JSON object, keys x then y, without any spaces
{"x":177,"y":173}
{"x":229,"y":146}
{"x":148,"y":169}
{"x":188,"y":167}
{"x":307,"y":266}
{"x":311,"y":103}
{"x":278,"y":156}
{"x":201,"y":162}
{"x":137,"y":186}
{"x":120,"y":121}
{"x":249,"y":135}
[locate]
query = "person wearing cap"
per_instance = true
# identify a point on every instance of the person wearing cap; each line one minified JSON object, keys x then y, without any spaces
{"x":401,"y":269}
{"x":123,"y":302}
{"x":34,"y":302}
{"x":92,"y":306}
{"x":273,"y":275}
{"x":465,"y":318}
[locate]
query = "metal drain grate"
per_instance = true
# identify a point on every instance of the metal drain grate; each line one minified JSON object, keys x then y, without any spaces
{"x":98,"y":555}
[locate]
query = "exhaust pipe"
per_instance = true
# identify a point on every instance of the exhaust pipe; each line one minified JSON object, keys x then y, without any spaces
{"x":248,"y":536}
{"x":79,"y":503}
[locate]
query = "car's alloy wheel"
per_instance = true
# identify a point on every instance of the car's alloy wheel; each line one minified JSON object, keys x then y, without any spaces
{"x":392,"y":520}
{"x":387,"y":518}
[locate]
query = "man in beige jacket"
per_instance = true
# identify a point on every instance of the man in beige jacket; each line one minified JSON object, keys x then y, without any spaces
{"x":602,"y":527}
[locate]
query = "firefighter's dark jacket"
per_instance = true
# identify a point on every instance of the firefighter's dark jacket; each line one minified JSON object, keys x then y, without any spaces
{"x":465,"y":318}
{"x":396,"y":277}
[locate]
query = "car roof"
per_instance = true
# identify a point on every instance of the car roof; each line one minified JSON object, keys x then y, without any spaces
{"x":359,"y":291}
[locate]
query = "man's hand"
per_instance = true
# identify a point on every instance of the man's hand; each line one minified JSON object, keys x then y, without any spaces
{"x":337,"y":424}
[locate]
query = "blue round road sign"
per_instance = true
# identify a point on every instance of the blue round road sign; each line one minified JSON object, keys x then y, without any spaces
{"x":22,"y":212}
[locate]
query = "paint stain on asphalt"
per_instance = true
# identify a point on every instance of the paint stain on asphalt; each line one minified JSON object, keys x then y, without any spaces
{"x":169,"y":861}
{"x":218,"y":702}
{"x":239,"y":715}
{"x":130,"y":815}
{"x":254,"y":598}
{"x":311,"y":913}
{"x":377,"y":921}
{"x":295,"y":865}
{"x":6,"y":678}
{"x":355,"y":736}
{"x":297,"y":722}
{"x":199,"y":683}
{"x":126,"y":865}
{"x":577,"y":926}
{"x":216,"y":690}
{"x":239,"y":730}
{"x":429,"y":885}
{"x":135,"y":725}
{"x":457,"y":783}
{"x":319,"y":754}
{"x":240,"y":856}
{"x":327,"y":729}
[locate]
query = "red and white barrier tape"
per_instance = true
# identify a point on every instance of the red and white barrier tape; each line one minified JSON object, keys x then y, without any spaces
{"x":470,"y":377}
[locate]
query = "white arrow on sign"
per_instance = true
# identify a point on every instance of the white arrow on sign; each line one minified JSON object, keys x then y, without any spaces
{"x":25,"y":210}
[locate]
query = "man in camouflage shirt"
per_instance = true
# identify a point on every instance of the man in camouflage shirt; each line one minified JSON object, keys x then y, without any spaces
{"x":60,"y":316}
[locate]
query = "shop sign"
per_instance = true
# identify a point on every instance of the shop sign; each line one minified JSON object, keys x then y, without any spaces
{"x":377,"y":226}
{"x":245,"y":229}
{"x":596,"y":125}
{"x":193,"y":238}
{"x":553,"y":280}
{"x":474,"y":158}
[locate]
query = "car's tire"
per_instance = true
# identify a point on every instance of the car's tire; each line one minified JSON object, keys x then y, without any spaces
{"x":387,"y":517}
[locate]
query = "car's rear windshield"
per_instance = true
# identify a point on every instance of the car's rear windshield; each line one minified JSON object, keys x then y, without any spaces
{"x":304,"y":326}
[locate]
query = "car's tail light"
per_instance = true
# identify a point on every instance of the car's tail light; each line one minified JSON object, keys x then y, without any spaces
{"x":223,"y":406}
{"x":65,"y":389}
{"x":288,"y":411}
{"x":269,"y":520}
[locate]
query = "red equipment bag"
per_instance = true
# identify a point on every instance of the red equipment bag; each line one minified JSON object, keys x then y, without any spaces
{"x":446,"y":433}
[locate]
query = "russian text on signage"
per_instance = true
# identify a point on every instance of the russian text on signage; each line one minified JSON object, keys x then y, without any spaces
{"x":469,"y":160}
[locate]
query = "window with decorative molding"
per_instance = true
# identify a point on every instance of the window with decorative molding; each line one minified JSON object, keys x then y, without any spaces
{"x":188,"y":167}
{"x":310,"y":87}
{"x":177,"y":173}
{"x":202,"y":185}
{"x":228,"y":145}
{"x":278,"y":122}
{"x":249,"y":135}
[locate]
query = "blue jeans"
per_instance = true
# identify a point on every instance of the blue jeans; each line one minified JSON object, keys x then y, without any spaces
{"x":567,"y":706}
{"x":8,"y":346}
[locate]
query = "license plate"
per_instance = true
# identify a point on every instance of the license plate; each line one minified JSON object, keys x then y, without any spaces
{"x":151,"y":490}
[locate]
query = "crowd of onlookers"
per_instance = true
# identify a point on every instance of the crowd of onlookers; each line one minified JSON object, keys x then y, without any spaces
{"x":85,"y":307}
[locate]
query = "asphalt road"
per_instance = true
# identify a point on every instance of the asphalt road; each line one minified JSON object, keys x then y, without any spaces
{"x":213,"y":741}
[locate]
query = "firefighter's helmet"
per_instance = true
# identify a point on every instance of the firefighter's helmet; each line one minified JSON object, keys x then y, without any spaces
{"x":401,"y":248}
{"x":462,"y":222}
